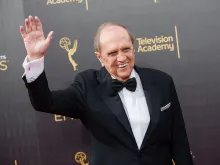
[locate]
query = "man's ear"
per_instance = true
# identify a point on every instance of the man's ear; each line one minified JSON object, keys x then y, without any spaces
{"x":98,"y":55}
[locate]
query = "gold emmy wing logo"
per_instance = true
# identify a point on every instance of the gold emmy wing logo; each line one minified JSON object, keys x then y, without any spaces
{"x":65,"y":43}
{"x":80,"y":158}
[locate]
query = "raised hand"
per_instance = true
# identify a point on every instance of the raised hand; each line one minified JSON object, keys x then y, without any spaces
{"x":34,"y":40}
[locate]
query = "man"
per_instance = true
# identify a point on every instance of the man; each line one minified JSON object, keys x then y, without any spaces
{"x":133,"y":113}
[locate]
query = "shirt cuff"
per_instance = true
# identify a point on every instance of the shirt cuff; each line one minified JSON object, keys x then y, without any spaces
{"x":33,"y":69}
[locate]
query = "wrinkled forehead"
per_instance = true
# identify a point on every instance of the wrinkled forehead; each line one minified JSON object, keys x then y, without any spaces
{"x":114,"y":36}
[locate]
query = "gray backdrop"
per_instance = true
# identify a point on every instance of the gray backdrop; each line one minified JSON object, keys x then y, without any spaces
{"x":179,"y":37}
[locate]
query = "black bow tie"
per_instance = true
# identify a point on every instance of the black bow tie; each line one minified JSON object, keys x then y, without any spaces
{"x":130,"y":84}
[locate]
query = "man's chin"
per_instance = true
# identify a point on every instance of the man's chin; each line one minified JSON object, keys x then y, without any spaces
{"x":124,"y":76}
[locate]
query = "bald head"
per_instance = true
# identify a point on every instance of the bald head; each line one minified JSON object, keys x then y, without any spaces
{"x":110,"y":28}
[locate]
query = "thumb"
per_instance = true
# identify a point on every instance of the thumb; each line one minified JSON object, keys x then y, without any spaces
{"x":49,"y":38}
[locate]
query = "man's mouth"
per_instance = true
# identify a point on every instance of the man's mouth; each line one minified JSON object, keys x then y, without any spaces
{"x":123,"y":65}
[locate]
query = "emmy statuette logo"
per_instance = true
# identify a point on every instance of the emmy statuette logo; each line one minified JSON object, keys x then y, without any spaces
{"x":65,"y":43}
{"x":80,"y":158}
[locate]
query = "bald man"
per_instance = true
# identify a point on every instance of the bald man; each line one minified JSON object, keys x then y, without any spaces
{"x":132,"y":113}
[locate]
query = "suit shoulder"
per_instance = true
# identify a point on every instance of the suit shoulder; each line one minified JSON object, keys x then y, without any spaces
{"x":87,"y":75}
{"x":84,"y":79}
{"x":158,"y":75}
{"x":88,"y":72}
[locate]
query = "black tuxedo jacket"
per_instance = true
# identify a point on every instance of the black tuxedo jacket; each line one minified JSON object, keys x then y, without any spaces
{"x":91,"y":99}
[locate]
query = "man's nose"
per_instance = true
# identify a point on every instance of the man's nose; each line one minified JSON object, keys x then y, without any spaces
{"x":121,"y":57}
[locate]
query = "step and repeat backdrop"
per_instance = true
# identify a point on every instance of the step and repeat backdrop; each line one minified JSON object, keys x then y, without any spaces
{"x":179,"y":37}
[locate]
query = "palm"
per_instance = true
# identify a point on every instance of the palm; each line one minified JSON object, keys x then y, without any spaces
{"x":34,"y":40}
{"x":35,"y":43}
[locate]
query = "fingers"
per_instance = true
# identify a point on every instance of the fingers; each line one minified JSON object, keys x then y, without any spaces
{"x":32,"y":23}
{"x":23,"y":34}
{"x":27,"y":26}
{"x":49,"y":38}
{"x":50,"y":35}
{"x":38,"y":24}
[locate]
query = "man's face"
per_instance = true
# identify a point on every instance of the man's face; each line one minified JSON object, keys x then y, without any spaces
{"x":116,"y":52}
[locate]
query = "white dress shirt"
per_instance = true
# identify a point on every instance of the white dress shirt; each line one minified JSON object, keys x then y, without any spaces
{"x":134,"y":103}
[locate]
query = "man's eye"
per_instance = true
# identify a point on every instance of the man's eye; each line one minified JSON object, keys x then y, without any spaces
{"x":112,"y":53}
{"x":126,"y":49}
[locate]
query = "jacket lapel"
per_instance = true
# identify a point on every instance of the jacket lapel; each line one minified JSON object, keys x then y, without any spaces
{"x":112,"y":99}
{"x":152,"y":99}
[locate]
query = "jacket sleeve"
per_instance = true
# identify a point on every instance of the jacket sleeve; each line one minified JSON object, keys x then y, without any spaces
{"x":179,"y":145}
{"x":67,"y":102}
